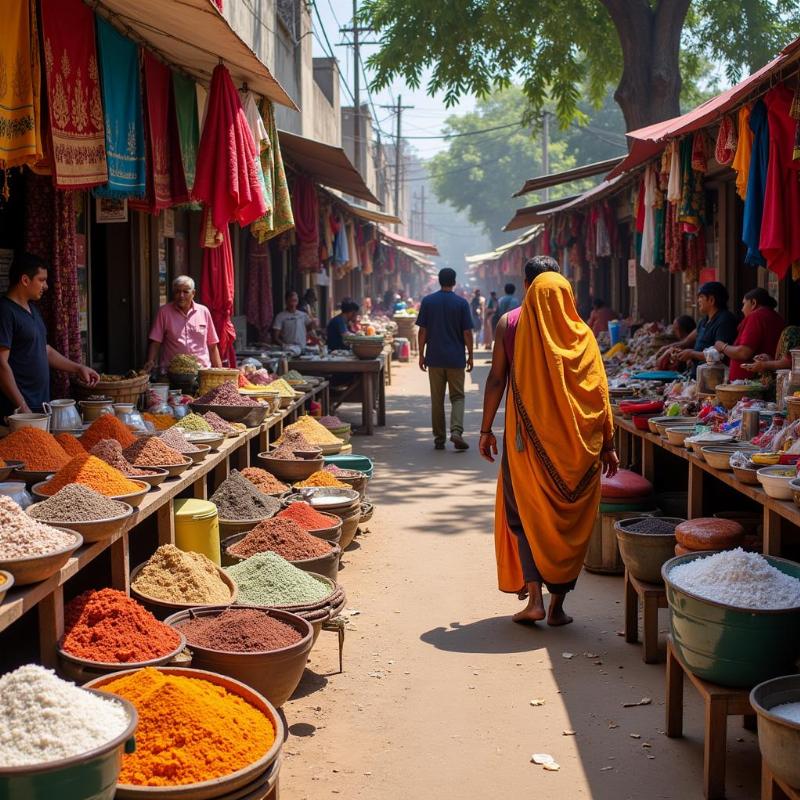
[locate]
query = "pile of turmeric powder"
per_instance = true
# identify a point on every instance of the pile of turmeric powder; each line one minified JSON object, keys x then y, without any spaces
{"x":190,"y":730}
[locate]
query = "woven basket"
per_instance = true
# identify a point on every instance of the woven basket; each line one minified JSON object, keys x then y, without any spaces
{"x":215,"y":376}
{"x":125,"y":391}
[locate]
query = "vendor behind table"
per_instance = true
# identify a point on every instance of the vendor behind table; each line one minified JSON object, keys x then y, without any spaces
{"x":340,"y":325}
{"x":25,"y":357}
{"x":291,"y":326}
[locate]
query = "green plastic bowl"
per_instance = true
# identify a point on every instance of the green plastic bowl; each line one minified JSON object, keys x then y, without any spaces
{"x":360,"y":463}
{"x":727,"y":645}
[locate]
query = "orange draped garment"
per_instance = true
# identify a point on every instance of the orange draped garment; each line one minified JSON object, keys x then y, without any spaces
{"x":557,"y":418}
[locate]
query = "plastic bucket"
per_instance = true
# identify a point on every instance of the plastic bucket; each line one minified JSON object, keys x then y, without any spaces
{"x":197,"y":528}
{"x":614,"y":331}
{"x":360,"y":463}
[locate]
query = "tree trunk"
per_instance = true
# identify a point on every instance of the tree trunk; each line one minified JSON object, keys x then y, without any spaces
{"x":650,"y":87}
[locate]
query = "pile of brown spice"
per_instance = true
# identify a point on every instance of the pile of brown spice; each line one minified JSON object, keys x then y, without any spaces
{"x":176,"y":439}
{"x":150,"y":451}
{"x":217,"y":424}
{"x":110,"y":451}
{"x":76,"y":503}
{"x":291,"y":442}
{"x":226,"y":394}
{"x":239,"y":630}
{"x":264,"y":481}
{"x":282,"y":536}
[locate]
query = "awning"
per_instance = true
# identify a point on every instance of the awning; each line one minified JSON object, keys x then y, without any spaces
{"x":373,"y":216}
{"x":482,"y":258}
{"x":326,"y":164}
{"x":423,"y":262}
{"x":194,"y":36}
{"x":533,"y":215}
{"x":648,"y":142}
{"x":569,"y":175}
{"x":412,"y":244}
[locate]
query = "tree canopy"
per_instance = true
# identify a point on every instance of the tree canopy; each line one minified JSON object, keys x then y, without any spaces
{"x":558,"y":49}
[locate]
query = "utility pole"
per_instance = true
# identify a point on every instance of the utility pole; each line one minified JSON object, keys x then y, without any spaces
{"x":422,"y":214}
{"x":398,"y":109}
{"x":546,"y":149}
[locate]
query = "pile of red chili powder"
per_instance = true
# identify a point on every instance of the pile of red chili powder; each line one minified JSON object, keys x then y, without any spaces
{"x":306,"y":516}
{"x":110,"y":627}
{"x":239,"y":630}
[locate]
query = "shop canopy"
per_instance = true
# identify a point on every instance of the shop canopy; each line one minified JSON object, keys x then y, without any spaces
{"x":482,"y":258}
{"x":373,"y":216}
{"x":325,"y":164}
{"x":648,"y":142}
{"x":411,"y":244}
{"x":193,"y":36}
{"x":415,"y":256}
{"x":568,"y":175}
{"x":532,"y":215}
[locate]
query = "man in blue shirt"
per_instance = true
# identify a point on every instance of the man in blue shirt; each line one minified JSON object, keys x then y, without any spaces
{"x":337,"y":327}
{"x":508,"y":302}
{"x":445,"y":333}
{"x":25,"y":356}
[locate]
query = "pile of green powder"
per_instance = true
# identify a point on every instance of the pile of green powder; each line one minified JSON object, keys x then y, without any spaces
{"x":266,"y":579}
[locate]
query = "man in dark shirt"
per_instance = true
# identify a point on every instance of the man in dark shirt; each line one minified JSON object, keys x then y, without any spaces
{"x":338,"y":325}
{"x":716,"y":324}
{"x":445,"y":332}
{"x":25,"y":356}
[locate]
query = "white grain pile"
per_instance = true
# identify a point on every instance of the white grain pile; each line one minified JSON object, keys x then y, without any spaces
{"x":46,"y":719}
{"x":787,"y":711}
{"x":740,"y":579}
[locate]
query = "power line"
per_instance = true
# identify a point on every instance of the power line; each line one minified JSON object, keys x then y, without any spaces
{"x":329,"y":51}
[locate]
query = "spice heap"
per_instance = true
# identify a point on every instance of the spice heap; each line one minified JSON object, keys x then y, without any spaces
{"x":176,"y":439}
{"x":323,"y":478}
{"x":290,"y":443}
{"x":76,"y":503}
{"x":332,"y":422}
{"x":106,"y":426}
{"x":267,"y":579}
{"x":69,"y":444}
{"x":92,"y":472}
{"x":150,"y":451}
{"x":22,"y":536}
{"x":190,"y":730}
{"x":313,"y":431}
{"x":217,"y":424}
{"x":739,"y":579}
{"x":236,"y":498}
{"x":280,"y":386}
{"x":284,"y":537}
{"x":180,"y":577}
{"x":226,"y":394}
{"x":110,"y":451}
{"x":159,"y":421}
{"x":307,"y":517}
{"x":38,"y":450}
{"x":110,"y":627}
{"x":193,"y":422}
{"x":343,"y":473}
{"x":183,"y":364}
{"x":46,"y":719}
{"x":264,"y":481}
{"x":293,"y":375}
{"x":239,"y":630}
{"x":651,"y":525}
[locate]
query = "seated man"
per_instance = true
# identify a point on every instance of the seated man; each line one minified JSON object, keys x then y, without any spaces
{"x":339,"y":325}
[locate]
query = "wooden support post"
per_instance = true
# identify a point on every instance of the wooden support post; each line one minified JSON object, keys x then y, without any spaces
{"x":695,"y":503}
{"x":51,"y":625}
{"x":219,"y":473}
{"x":674,"y":695}
{"x":631,"y":612}
{"x":772,"y":532}
{"x":648,"y":460}
{"x":165,"y":524}
{"x":714,"y":748}
{"x":121,"y":564}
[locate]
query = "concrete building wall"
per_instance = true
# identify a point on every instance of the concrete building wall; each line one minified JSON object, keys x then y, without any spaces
{"x":326,"y":111}
{"x":254,"y":21}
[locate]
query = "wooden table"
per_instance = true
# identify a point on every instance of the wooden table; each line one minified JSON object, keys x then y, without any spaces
{"x":775,"y":511}
{"x":773,"y":788}
{"x":369,"y":380}
{"x":652,"y":597}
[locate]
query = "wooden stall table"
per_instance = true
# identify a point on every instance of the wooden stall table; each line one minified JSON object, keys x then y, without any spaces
{"x":369,"y":379}
{"x":720,"y":702}
{"x":652,"y":597}
{"x":773,"y":788}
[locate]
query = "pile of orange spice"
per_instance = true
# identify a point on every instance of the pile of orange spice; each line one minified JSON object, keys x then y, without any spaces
{"x":38,"y":450}
{"x":69,"y":444}
{"x":159,"y":421}
{"x":92,"y":472}
{"x":190,"y":730}
{"x":107,"y":426}
{"x":323,"y":478}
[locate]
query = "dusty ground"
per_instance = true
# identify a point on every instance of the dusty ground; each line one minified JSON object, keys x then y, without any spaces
{"x":435,"y":697}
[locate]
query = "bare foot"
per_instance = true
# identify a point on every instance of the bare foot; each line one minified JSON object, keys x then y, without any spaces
{"x":556,"y":617}
{"x":532,"y":613}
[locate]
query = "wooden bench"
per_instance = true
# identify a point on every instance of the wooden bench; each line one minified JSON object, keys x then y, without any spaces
{"x":773,"y":788}
{"x":652,"y":597}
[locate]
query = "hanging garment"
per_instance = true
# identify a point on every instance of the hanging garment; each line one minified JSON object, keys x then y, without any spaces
{"x":216,"y":291}
{"x":649,"y":223}
{"x":674,"y":186}
{"x":659,"y":220}
{"x":122,"y":107}
{"x":278,"y":217}
{"x":794,"y":112}
{"x":756,"y":185}
{"x":744,"y":150}
{"x":188,"y":124}
{"x":352,"y":249}
{"x":20,"y":98}
{"x":691,"y":209}
{"x":258,"y":301}
{"x":602,"y":236}
{"x":725,"y":149}
{"x":638,"y":205}
{"x":305,"y":207}
{"x":73,"y":93}
{"x":779,"y":241}
{"x":226,"y":179}
{"x":260,"y":137}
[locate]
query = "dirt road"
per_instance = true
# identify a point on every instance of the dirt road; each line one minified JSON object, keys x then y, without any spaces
{"x":435,"y":697}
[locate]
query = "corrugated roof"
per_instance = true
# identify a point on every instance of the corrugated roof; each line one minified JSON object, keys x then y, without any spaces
{"x":568,"y":175}
{"x":412,"y":244}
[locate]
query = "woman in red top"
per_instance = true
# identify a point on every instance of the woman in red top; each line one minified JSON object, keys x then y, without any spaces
{"x":759,"y":332}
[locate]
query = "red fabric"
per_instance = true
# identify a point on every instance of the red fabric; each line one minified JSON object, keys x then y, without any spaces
{"x":759,"y":330}
{"x":626,"y":484}
{"x":216,"y":290}
{"x":780,"y":232}
{"x":305,"y":206}
{"x":258,"y":302}
{"x":166,"y":183}
{"x":640,"y":208}
{"x":226,"y":178}
{"x":73,"y":92}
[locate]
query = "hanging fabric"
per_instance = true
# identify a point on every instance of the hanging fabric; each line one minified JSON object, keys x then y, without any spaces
{"x":744,"y":150}
{"x":20,"y":95}
{"x":794,"y":111}
{"x":691,"y":209}
{"x":278,"y":217}
{"x":50,"y":234}
{"x":73,"y":92}
{"x":648,"y":226}
{"x":659,"y":218}
{"x":188,"y":124}
{"x":216,"y":291}
{"x":122,"y":107}
{"x":260,"y":138}
{"x":226,"y":179}
{"x":674,"y":185}
{"x":725,"y":148}
{"x":756,"y":185}
{"x":258,"y":301}
{"x":305,"y":207}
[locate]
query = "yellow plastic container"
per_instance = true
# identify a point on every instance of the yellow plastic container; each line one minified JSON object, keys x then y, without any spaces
{"x":197,"y":528}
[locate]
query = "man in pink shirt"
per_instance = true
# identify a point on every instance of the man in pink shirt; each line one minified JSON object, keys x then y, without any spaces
{"x":183,"y":327}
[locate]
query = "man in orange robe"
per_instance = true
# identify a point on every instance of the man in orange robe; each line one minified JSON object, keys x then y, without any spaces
{"x":558,"y":440}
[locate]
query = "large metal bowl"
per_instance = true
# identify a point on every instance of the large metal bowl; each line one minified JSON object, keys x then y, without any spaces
{"x":778,"y":738}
